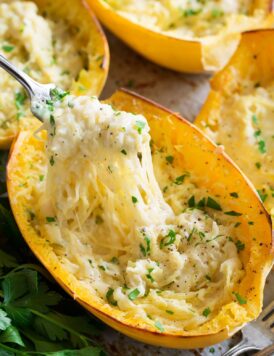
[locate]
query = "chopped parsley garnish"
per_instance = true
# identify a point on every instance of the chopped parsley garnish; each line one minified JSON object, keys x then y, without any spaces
{"x":134,"y":199}
{"x":208,"y":277}
{"x":110,"y":298}
{"x":114,"y":260}
{"x":251,"y":223}
{"x":149,"y":276}
{"x":169,"y":159}
{"x":50,"y":219}
{"x":145,"y":249}
{"x":211,"y":203}
{"x":52,"y":123}
{"x":58,"y":94}
{"x":20,"y":99}
{"x":254,"y":119}
{"x":179,"y":180}
{"x":124,"y":152}
{"x":169,"y":239}
{"x":215,"y":13}
{"x":191,"y":202}
{"x":159,"y":326}
{"x":8,"y":48}
{"x":170,"y":312}
{"x":41,"y":178}
{"x":98,"y":220}
{"x":133,"y":294}
{"x":258,"y":165}
{"x":234,"y":195}
{"x":240,"y":245}
{"x":241,"y":300}
{"x":206,"y":312}
{"x":233,"y":213}
{"x":51,"y":160}
{"x":191,"y":12}
{"x":212,"y":350}
{"x":262,"y":195}
{"x":261,"y":146}
{"x":140,"y":126}
{"x":201,"y":203}
{"x":237,"y":224}
{"x":103,"y":268}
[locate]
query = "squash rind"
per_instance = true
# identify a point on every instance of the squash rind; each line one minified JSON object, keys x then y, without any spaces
{"x":198,"y":146}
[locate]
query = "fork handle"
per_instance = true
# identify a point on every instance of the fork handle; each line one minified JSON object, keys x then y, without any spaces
{"x":241,"y":347}
{"x":28,"y":83}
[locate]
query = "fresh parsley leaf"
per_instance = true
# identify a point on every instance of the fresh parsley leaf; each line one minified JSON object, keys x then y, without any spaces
{"x":5,"y":321}
{"x":169,"y":159}
{"x":58,"y":94}
{"x":240,"y":245}
{"x":262,"y":195}
{"x":140,"y":126}
{"x":206,"y":312}
{"x":233,"y":213}
{"x":191,"y":202}
{"x":134,"y":200}
{"x":241,"y":300}
{"x":169,"y":239}
{"x":11,"y":335}
{"x":179,"y":180}
{"x":50,"y":219}
{"x":134,"y":294}
{"x":170,"y":312}
{"x":8,"y":48}
{"x":145,"y":249}
{"x":109,"y":297}
{"x":211,"y":203}
{"x":234,"y":195}
{"x":159,"y":326}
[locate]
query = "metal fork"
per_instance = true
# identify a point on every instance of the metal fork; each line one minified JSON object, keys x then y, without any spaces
{"x":39,"y":94}
{"x":256,"y":335}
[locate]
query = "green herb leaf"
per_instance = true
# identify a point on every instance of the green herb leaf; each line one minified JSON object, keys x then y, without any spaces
{"x":234,"y":195}
{"x":206,"y":312}
{"x":50,"y":219}
{"x":241,"y":300}
{"x":262,"y":195}
{"x":124,"y":152}
{"x":169,"y":239}
{"x":146,"y":250}
{"x":134,"y":294}
{"x":169,"y":159}
{"x":8,"y":48}
{"x":211,"y":203}
{"x":109,"y":297}
{"x":170,"y":312}
{"x":191,"y":202}
{"x":11,"y":335}
{"x":58,"y":94}
{"x":159,"y":326}
{"x":254,"y":119}
{"x":4,"y":320}
{"x":140,"y":126}
{"x":240,"y":245}
{"x":179,"y":180}
{"x":134,"y":200}
{"x":233,"y":213}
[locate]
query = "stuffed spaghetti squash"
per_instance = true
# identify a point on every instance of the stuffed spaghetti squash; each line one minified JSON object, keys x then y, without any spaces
{"x":54,"y":43}
{"x":142,"y":219}
{"x":239,"y":111}
{"x":189,"y":36}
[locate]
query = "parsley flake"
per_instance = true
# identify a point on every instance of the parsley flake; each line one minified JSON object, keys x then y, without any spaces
{"x":133,"y":294}
{"x":241,"y":300}
{"x":206,"y":312}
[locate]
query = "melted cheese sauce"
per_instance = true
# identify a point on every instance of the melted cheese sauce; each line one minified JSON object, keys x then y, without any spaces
{"x":245,"y":126}
{"x":44,"y":49}
{"x":120,"y":220}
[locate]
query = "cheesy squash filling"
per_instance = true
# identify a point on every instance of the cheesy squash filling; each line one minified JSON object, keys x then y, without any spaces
{"x":44,"y":49}
{"x":215,"y":23}
{"x":244,"y":124}
{"x":122,"y":219}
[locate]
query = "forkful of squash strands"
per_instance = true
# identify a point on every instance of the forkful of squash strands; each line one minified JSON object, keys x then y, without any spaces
{"x":41,"y":96}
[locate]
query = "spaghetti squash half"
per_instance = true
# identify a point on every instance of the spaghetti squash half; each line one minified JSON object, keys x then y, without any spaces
{"x":53,"y":42}
{"x":141,"y":219}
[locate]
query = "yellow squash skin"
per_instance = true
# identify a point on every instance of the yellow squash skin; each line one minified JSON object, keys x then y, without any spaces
{"x":252,"y":61}
{"x":197,"y":155}
{"x":93,"y":41}
{"x":173,"y":53}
